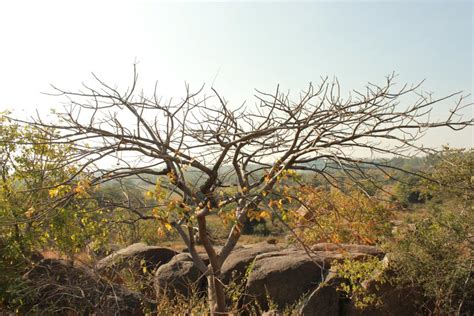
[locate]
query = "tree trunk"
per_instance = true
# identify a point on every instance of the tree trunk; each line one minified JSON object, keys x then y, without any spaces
{"x":216,"y":296}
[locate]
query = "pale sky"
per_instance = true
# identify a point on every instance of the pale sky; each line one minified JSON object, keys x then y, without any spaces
{"x":237,"y":45}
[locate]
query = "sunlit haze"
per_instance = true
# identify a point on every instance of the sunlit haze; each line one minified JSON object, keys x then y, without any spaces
{"x":235,"y":47}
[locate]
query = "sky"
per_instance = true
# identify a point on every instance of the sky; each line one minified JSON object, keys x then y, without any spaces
{"x":235,"y":47}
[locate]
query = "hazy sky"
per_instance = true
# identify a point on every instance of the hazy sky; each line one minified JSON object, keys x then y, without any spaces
{"x":237,"y":45}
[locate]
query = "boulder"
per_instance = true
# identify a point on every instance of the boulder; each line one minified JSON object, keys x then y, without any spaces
{"x":236,"y":264}
{"x":59,"y":286}
{"x":179,"y":276}
{"x":284,"y":277}
{"x":324,"y":301}
{"x":392,"y":301}
{"x":349,"y":248}
{"x":327,"y":258}
{"x":136,"y":256}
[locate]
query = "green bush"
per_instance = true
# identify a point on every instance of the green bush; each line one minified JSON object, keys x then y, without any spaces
{"x":436,"y":258}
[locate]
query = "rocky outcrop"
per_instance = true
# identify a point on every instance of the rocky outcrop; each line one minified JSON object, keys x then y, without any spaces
{"x":284,"y":276}
{"x":136,"y":256}
{"x":393,"y":301}
{"x":325,"y":299}
{"x":58,"y":286}
{"x":180,"y":276}
{"x":350,"y":249}
{"x":238,"y":261}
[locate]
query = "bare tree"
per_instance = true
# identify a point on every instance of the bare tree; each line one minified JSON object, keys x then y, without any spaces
{"x":260,"y":143}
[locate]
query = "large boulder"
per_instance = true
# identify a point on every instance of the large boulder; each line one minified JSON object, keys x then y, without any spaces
{"x":58,"y":286}
{"x":326,"y":299}
{"x":179,"y":277}
{"x":284,"y":277}
{"x":136,"y":256}
{"x":238,"y":261}
{"x":349,"y":248}
{"x":393,"y":301}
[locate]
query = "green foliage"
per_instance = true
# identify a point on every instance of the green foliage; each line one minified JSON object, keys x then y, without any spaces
{"x":452,"y":171}
{"x":256,"y":227}
{"x":40,"y":208}
{"x":356,"y":275}
{"x":435,"y":255}
{"x":409,"y":191}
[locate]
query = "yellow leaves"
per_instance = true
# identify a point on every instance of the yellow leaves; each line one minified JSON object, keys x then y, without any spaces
{"x":258,"y":215}
{"x":264,"y":214}
{"x":168,"y":226}
{"x":290,"y":173}
{"x":335,"y":216}
{"x":226,"y":217}
{"x":160,"y":232}
{"x":171,"y":206}
{"x":158,"y":194}
{"x":54,"y":192}
{"x":82,"y":187}
{"x":164,"y":228}
{"x":149,"y":194}
{"x":276,"y":203}
{"x":30,"y":212}
{"x":335,"y":238}
{"x":172,"y":177}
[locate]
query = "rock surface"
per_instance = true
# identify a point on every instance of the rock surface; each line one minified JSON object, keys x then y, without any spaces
{"x":137,"y":255}
{"x":238,"y":261}
{"x":349,"y":248}
{"x":284,"y":276}
{"x":57,"y":286}
{"x":393,"y":301}
{"x":287,"y":275}
{"x":324,"y":301}
{"x":178,"y":277}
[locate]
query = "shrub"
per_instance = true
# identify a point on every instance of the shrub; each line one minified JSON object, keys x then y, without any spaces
{"x":335,"y":216}
{"x":436,"y":258}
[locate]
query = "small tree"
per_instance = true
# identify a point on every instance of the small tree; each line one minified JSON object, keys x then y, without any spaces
{"x":248,"y":148}
{"x":32,"y":217}
{"x":436,"y":258}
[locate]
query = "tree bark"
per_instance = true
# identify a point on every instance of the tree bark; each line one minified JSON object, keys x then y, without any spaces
{"x":215,"y":289}
{"x":216,"y":295}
